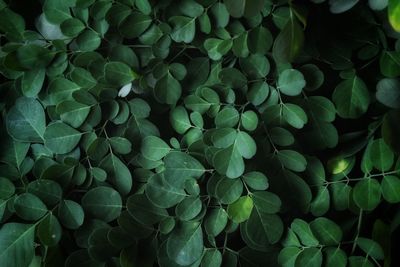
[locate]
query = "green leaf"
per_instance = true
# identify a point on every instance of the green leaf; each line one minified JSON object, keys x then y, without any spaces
{"x":256,"y":180}
{"x":7,"y":188}
{"x":215,"y":221}
{"x":292,"y":160}
{"x":72,"y":27}
{"x":33,"y":56}
{"x":161,"y":193}
{"x":240,"y":210}
{"x":118,"y":73}
{"x":29,"y":207}
{"x":120,"y":145}
{"x":211,"y":258}
{"x":351,"y":98}
{"x":249,"y":120}
{"x":381,"y":156}
{"x":88,"y":40}
{"x":179,"y":120}
{"x":289,"y":42}
{"x":134,"y":25}
{"x":188,"y":209}
{"x":73,"y":113}
{"x":61,"y":138}
{"x":180,"y":166}
{"x":71,"y":214}
{"x":340,"y":6}
{"x":49,"y":230}
{"x":61,"y":89}
{"x":117,"y":173}
{"x":32,"y":82}
{"x":15,"y":30}
{"x":238,"y":8}
{"x":228,"y":190}
{"x":232,"y":77}
{"x":371,"y":248}
{"x":26,"y":120}
{"x":394,"y":14}
{"x":49,"y":191}
{"x":17,"y":244}
{"x":143,"y":6}
{"x":390,"y":63}
{"x":259,"y":40}
{"x":183,"y":29}
{"x":309,"y":257}
{"x":217,"y":48}
{"x":291,"y":82}
{"x":140,"y":208}
{"x":229,"y":162}
{"x":390,"y":188}
{"x":227,"y":117}
{"x":220,"y":15}
{"x":326,"y":231}
{"x":266,"y":202}
{"x":168,"y":90}
{"x":287,"y":256}
{"x":367,"y":194}
{"x":294,"y":115}
{"x":304,"y":233}
{"x":103,"y":203}
{"x":185,"y":244}
{"x":388,"y":92}
{"x":335,"y":257}
{"x":191,"y":8}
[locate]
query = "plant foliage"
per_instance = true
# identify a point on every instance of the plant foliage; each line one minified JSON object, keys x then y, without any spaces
{"x":199,"y":133}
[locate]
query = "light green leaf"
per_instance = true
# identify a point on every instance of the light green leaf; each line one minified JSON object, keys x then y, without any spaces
{"x":249,"y":120}
{"x":240,"y":210}
{"x":394,"y":14}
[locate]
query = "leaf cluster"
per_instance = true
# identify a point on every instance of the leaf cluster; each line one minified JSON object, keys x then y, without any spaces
{"x":199,"y":133}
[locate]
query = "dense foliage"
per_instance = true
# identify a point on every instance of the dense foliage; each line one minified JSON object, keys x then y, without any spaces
{"x":199,"y":133}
